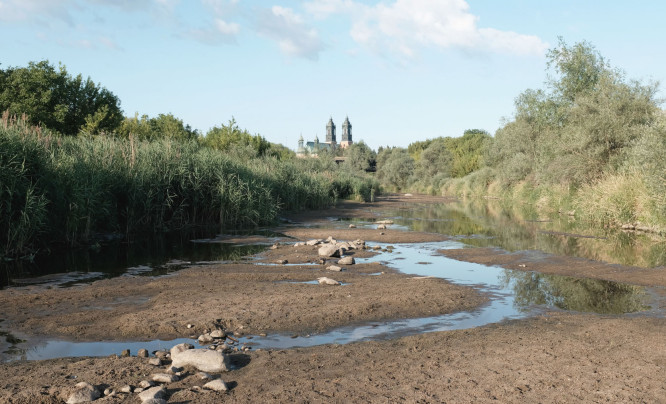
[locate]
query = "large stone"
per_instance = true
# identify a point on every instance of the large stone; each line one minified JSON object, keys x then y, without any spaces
{"x":164,"y":378}
{"x":202,"y":359}
{"x":381,"y":227}
{"x":144,"y":384}
{"x":216,"y":385}
{"x":176,"y":349}
{"x":327,"y":281}
{"x":155,"y":361}
{"x":205,"y":338}
{"x":152,"y":393}
{"x":346,"y":261}
{"x":142,"y":353}
{"x":334,"y":268}
{"x":83,"y":393}
{"x":329,"y":251}
{"x":218,"y":334}
{"x":313,"y":242}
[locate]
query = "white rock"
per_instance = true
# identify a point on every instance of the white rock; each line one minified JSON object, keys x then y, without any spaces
{"x":346,"y":261}
{"x":329,"y":251}
{"x":139,"y":389}
{"x":142,"y":353}
{"x":164,"y":378}
{"x":83,"y":393}
{"x":313,"y":242}
{"x":155,"y":361}
{"x":352,"y":226}
{"x":152,"y":393}
{"x":205,"y":338}
{"x":144,"y":384}
{"x":109,"y":392}
{"x":384,"y":222}
{"x":202,"y":359}
{"x":190,"y":326}
{"x":381,"y":227}
{"x":180,"y":348}
{"x":327,"y":281}
{"x":334,"y":268}
{"x":218,"y":334}
{"x":126,"y":389}
{"x":216,"y":385}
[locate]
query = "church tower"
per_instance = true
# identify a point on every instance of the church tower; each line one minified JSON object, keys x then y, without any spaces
{"x":346,"y":134}
{"x":330,"y":133}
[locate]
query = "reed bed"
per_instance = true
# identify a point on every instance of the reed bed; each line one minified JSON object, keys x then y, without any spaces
{"x":77,"y":190}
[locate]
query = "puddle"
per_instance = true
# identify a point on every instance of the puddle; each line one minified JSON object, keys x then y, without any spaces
{"x":514,"y":295}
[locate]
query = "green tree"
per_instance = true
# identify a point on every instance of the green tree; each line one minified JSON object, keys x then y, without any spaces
{"x":360,"y":157}
{"x":53,"y":98}
{"x":230,"y":137}
{"x":395,"y":167}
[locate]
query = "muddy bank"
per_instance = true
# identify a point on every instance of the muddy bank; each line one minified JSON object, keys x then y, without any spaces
{"x":252,"y":297}
{"x":560,"y":265}
{"x":553,"y":358}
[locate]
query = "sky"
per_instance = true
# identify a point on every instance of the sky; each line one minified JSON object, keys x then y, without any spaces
{"x":401,"y":70}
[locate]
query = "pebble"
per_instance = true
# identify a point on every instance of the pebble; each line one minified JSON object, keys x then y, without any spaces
{"x":202,"y":359}
{"x":327,"y":281}
{"x":352,"y":226}
{"x":347,"y":261}
{"x":152,"y":393}
{"x":218,"y":334}
{"x":205,"y":338}
{"x":144,"y":384}
{"x":139,"y":389}
{"x":154,"y":401}
{"x":334,"y":268}
{"x":155,"y":361}
{"x":126,"y":389}
{"x":238,"y":334}
{"x":142,"y":353}
{"x":216,"y":385}
{"x":190,"y":326}
{"x":109,"y":392}
{"x":381,"y":227}
{"x":164,"y":378}
{"x":281,"y":262}
{"x":161,"y":354}
{"x":125,"y":353}
{"x":263,"y":334}
{"x":204,"y":376}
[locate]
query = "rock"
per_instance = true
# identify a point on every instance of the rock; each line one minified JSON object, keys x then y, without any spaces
{"x":204,"y":376}
{"x":238,"y":334}
{"x":175,"y":350}
{"x":381,"y":227}
{"x":281,"y":262}
{"x":126,"y":389}
{"x":144,"y":384}
{"x":143,"y":353}
{"x":334,"y":268}
{"x":164,"y":378}
{"x":274,"y":247}
{"x":109,"y":392}
{"x":381,"y":233}
{"x":352,"y":226}
{"x":377,"y":248}
{"x":216,"y":385}
{"x":205,"y":338}
{"x":83,"y":393}
{"x":218,"y":334}
{"x":161,"y":354}
{"x":299,"y":244}
{"x":384,"y":222}
{"x":347,"y":261}
{"x":139,"y":390}
{"x":154,"y":401}
{"x":327,"y":281}
{"x":155,"y":361}
{"x":190,"y":326}
{"x":152,"y":393}
{"x":330,"y":239}
{"x":322,"y":261}
{"x":262,"y":334}
{"x":329,"y":251}
{"x":313,"y":242}
{"x":125,"y":353}
{"x":202,"y":359}
{"x":173,"y":369}
{"x":408,"y":195}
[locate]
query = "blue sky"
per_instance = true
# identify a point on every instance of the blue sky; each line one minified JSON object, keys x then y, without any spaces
{"x":401,"y":70}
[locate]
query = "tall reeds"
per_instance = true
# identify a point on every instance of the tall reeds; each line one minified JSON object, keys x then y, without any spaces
{"x":71,"y":190}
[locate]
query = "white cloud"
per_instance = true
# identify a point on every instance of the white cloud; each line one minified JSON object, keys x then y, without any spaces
{"x":289,"y":30}
{"x":218,"y":30}
{"x":22,"y":10}
{"x":405,"y":26}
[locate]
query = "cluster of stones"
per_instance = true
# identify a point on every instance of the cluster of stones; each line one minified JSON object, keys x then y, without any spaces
{"x":331,"y":248}
{"x":212,"y":359}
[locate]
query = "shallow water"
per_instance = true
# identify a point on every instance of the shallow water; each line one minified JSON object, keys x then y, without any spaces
{"x":514,"y":295}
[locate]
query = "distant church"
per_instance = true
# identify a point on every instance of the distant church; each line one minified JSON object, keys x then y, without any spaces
{"x":330,"y":144}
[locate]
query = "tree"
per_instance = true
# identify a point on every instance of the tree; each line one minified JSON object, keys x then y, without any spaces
{"x":59,"y":101}
{"x":394,"y":167}
{"x":360,"y":157}
{"x":230,"y":136}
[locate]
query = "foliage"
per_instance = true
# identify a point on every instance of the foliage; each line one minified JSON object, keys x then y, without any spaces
{"x":394,"y":167}
{"x":71,"y":190}
{"x":164,"y":126}
{"x":53,"y":98}
{"x":230,"y":137}
{"x":360,"y":157}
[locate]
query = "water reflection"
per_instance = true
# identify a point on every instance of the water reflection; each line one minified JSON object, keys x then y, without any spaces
{"x":517,"y":228}
{"x":575,"y":294}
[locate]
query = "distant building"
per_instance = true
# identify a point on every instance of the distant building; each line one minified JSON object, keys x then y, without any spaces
{"x":312,"y":148}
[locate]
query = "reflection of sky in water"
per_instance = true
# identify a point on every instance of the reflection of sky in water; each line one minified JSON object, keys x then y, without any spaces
{"x":406,"y":258}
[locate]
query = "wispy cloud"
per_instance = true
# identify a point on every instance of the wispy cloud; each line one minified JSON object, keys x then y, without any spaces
{"x":219,"y":30}
{"x":406,"y":26}
{"x":293,"y":35}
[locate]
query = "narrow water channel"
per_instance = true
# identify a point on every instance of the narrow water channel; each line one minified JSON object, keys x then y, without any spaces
{"x":514,"y":294}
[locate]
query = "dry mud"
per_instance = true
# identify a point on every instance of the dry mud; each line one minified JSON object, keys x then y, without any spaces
{"x":556,"y":357}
